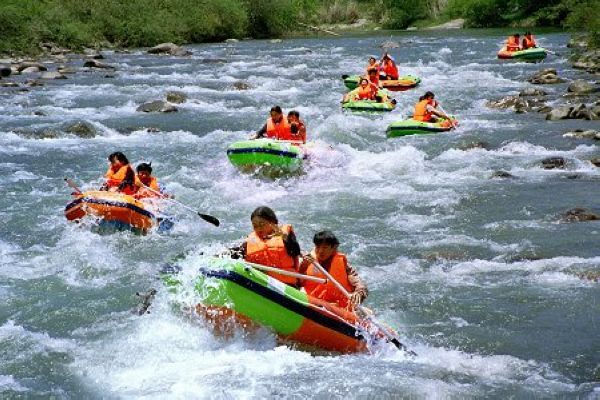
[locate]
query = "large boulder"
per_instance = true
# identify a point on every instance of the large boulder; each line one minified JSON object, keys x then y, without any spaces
{"x":176,"y":97}
{"x":9,"y":84}
{"x":52,"y":75}
{"x":579,"y":214}
{"x":561,"y":112}
{"x":581,"y":87}
{"x":93,"y":63}
{"x":581,"y":134}
{"x":5,"y":71}
{"x":520,"y":103}
{"x":81,"y":129}
{"x":31,"y":67}
{"x":93,"y":54}
{"x":532,"y":92}
{"x":546,"y":76}
{"x":580,"y":111}
{"x":589,"y":61}
{"x":554,"y":163}
{"x":157,"y":106}
{"x":169,"y":48}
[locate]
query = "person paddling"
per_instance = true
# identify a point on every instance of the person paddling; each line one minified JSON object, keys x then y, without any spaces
{"x":270,"y":244}
{"x":147,"y":184}
{"x":372,"y":65}
{"x":528,"y":41}
{"x":326,"y":253}
{"x":389,"y":68}
{"x":365,"y":91}
{"x":276,"y":127}
{"x":297,"y":127}
{"x":120,"y":176}
{"x":513,"y":43}
{"x":426,"y":111}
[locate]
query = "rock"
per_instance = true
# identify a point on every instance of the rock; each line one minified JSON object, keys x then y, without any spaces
{"x":34,"y":67}
{"x":593,"y":276}
{"x":157,"y":106}
{"x":231,"y":40}
{"x":579,"y":214}
{"x":411,"y":28}
{"x":553,"y":162}
{"x":33,"y":83}
{"x":454,"y":24}
{"x":97,"y":64}
{"x":109,"y":76}
{"x":152,"y":129}
{"x":47,"y":133}
{"x":532,"y":92}
{"x":474,"y":145}
{"x":546,"y":76}
{"x":544,"y":109}
{"x":580,"y":87}
{"x":501,"y":174}
{"x":519,"y":103}
{"x":5,"y":71}
{"x":52,"y":75}
{"x":595,"y":161}
{"x":578,"y":43}
{"x":30,"y":70}
{"x":389,"y":44}
{"x":580,"y":111}
{"x":169,"y":48}
{"x":39,"y":113}
{"x":581,"y":134}
{"x":505,"y":102}
{"x":589,"y":61}
{"x":275,"y":41}
{"x":558,"y":113}
{"x":93,"y":54}
{"x":81,"y":129}
{"x":9,"y":84}
{"x":176,"y":97}
{"x":68,"y":70}
{"x":212,"y":61}
{"x":241,"y":85}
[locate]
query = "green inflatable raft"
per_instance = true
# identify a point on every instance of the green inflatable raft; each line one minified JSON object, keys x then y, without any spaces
{"x":405,"y":82}
{"x":231,"y":292}
{"x":533,"y":54}
{"x":370,"y":105}
{"x":414,"y":127}
{"x":270,"y":153}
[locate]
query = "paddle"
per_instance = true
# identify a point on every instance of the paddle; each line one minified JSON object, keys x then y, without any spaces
{"x":447,"y":116}
{"x":286,"y":273}
{"x":206,"y":217}
{"x":72,"y":185}
{"x":389,"y":334}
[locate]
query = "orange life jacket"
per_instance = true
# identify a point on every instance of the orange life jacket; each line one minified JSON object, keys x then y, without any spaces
{"x":421,"y":113}
{"x":301,"y":135}
{"x":272,"y":253}
{"x":365,"y":93}
{"x":528,"y":42}
{"x":144,"y":192}
{"x":114,"y":178}
{"x":328,"y":291}
{"x":280,"y":130}
{"x":512,"y":44}
{"x":391,"y":70}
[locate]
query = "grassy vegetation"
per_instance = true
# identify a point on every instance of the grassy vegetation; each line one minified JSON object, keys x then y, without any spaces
{"x":135,"y":23}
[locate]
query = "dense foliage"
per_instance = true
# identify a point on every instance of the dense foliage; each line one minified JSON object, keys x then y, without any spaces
{"x":130,"y":23}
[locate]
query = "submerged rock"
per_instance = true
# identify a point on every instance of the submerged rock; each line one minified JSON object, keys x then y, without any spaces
{"x":581,"y":134}
{"x":473,"y":145}
{"x":554,"y":162}
{"x":5,"y":71}
{"x":81,"y":129}
{"x":579,"y":214}
{"x":241,"y":85}
{"x":169,"y":48}
{"x":157,"y":106}
{"x":581,"y":87}
{"x":27,"y":67}
{"x":595,"y":161}
{"x":92,"y":63}
{"x":561,"y":112}
{"x":502,"y":174}
{"x":546,"y":76}
{"x":176,"y":97}
{"x":52,"y":75}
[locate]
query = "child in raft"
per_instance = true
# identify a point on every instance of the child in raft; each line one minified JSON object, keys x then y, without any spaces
{"x":327,"y":255}
{"x":426,"y":111}
{"x":270,"y":244}
{"x":147,"y":184}
{"x":297,"y":127}
{"x":119,"y":176}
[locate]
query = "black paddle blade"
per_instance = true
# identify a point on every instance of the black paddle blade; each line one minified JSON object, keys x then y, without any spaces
{"x":345,"y":76}
{"x":210,"y":219}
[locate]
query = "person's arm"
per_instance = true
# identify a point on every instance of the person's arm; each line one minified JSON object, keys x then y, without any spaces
{"x":261,"y":132}
{"x":237,"y":252}
{"x":129,"y":179}
{"x":360,"y":292}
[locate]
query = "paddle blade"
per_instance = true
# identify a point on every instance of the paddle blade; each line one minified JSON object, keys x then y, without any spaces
{"x":344,"y":76}
{"x":210,"y":219}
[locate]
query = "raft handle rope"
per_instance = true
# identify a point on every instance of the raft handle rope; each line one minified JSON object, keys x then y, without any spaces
{"x":286,"y":273}
{"x":387,"y":332}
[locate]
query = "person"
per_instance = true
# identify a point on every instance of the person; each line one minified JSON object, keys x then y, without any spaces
{"x":372,"y":65}
{"x":146,"y":184}
{"x":276,"y":127}
{"x":389,"y":68}
{"x":528,"y":41}
{"x":270,"y":244}
{"x":513,"y":43}
{"x":425,"y":109}
{"x":327,"y":255}
{"x":365,"y":91}
{"x":120,"y":176}
{"x":373,"y":77}
{"x":297,"y":127}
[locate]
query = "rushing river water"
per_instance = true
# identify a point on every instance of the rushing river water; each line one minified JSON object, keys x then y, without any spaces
{"x":476,"y":273}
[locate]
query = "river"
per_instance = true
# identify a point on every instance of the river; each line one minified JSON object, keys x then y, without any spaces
{"x":476,"y":273}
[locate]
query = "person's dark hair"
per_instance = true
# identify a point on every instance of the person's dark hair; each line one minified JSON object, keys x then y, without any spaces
{"x":372,"y":58}
{"x":426,"y":95}
{"x":144,"y":167}
{"x":325,"y":237}
{"x":294,"y":113}
{"x":277,"y":109}
{"x":117,"y":155}
{"x":363,"y":79}
{"x":265,"y":213}
{"x":516,"y":34}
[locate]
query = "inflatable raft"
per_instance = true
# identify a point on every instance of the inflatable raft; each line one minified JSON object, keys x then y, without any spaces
{"x":414,"y":127}
{"x":233,"y":291}
{"x":274,"y":154}
{"x":405,"y":82}
{"x":368,"y":105}
{"x":114,"y":209}
{"x":533,"y":54}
